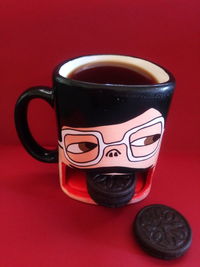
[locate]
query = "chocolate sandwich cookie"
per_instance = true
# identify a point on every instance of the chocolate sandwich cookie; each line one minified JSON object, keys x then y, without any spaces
{"x":162,"y":232}
{"x":111,"y":190}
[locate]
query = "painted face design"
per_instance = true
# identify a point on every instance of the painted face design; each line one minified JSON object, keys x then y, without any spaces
{"x":134,"y":143}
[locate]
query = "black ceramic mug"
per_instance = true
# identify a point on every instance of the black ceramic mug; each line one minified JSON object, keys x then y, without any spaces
{"x":111,"y":112}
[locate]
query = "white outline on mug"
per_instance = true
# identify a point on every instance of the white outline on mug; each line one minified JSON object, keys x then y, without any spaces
{"x":103,"y":145}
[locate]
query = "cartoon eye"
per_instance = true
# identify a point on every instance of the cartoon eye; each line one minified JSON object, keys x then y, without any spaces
{"x":82,"y":147}
{"x":147,"y":140}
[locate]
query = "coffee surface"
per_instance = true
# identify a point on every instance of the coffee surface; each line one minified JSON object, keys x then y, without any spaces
{"x":106,"y":74}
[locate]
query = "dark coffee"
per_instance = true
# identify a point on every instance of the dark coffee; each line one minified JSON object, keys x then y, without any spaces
{"x":108,"y":74}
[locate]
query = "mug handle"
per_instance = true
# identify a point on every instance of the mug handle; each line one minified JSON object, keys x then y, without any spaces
{"x":21,"y":123}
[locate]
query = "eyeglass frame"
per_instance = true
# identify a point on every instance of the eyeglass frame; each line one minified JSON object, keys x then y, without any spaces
{"x":102,"y":145}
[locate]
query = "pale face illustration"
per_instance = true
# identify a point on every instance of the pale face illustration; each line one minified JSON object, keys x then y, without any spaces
{"x":132,"y":144}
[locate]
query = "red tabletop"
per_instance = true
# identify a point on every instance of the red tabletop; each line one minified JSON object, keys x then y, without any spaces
{"x":39,"y":224}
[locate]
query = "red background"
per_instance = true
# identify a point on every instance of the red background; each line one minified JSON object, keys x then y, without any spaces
{"x":39,"y":225}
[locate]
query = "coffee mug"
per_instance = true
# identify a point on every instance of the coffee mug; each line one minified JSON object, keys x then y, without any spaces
{"x":111,"y":112}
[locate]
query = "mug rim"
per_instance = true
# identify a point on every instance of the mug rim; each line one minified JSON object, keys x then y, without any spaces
{"x":68,"y":81}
